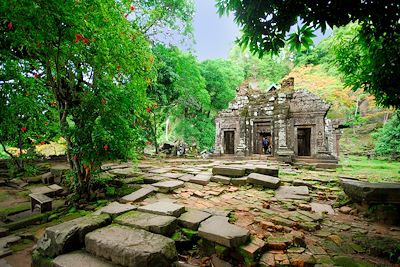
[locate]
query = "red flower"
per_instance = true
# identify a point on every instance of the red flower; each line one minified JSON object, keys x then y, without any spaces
{"x":133,"y":8}
{"x":148,"y":109}
{"x":155,"y":105}
{"x":148,"y":143}
{"x":23,"y":129}
{"x":86,"y":41}
{"x":35,"y":75}
{"x":46,"y":123}
{"x":53,"y":103}
{"x":10,"y":26}
{"x":75,"y":157}
{"x":103,"y":101}
{"x":105,"y":147}
{"x":78,"y":37}
{"x":42,"y":143}
{"x":118,"y":67}
{"x":126,"y":16}
{"x":38,"y":44}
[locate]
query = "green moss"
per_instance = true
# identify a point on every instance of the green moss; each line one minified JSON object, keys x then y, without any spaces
{"x":350,"y":262}
{"x":39,"y":260}
{"x":38,"y":218}
{"x":232,"y":217}
{"x":16,"y":208}
{"x":189,"y":233}
{"x":124,"y":190}
{"x":21,"y":245}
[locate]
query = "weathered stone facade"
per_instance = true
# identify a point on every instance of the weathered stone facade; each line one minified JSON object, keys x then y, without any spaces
{"x":294,"y":122}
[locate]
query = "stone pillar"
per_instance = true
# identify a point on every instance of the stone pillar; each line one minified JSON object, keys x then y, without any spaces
{"x":283,"y":153}
{"x":218,"y":137}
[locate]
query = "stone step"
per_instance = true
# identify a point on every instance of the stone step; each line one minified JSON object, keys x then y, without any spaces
{"x":193,"y":218}
{"x":217,"y":229}
{"x":201,"y":178}
{"x":65,"y":237}
{"x":168,"y":186}
{"x":230,"y":171}
{"x":163,"y":208}
{"x":115,"y":209}
{"x":158,"y":224}
{"x":80,"y":258}
{"x":138,"y":195}
{"x":131,"y":247}
{"x":264,"y":180}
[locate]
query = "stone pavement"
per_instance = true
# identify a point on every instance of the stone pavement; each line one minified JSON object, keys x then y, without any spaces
{"x":220,"y":213}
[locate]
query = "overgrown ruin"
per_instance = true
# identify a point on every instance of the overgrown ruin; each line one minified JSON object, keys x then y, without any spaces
{"x":294,"y":122}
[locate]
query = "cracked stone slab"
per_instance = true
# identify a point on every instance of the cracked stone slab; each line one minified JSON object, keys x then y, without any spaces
{"x":292,"y":192}
{"x":321,"y":208}
{"x":163,"y":208}
{"x":264,"y":180}
{"x":79,"y":258}
{"x":221,"y":179}
{"x":168,"y":186}
{"x":218,"y":229}
{"x":128,"y":246}
{"x":201,"y":178}
{"x":193,"y":218}
{"x":115,"y":208}
{"x":158,"y":224}
{"x":138,"y":195}
{"x":230,"y":171}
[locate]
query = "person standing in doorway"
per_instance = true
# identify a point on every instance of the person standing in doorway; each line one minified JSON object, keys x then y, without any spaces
{"x":265,"y":144}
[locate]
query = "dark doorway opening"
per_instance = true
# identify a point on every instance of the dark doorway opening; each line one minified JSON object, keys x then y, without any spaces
{"x":304,"y":141}
{"x":229,"y":142}
{"x":261,"y":147}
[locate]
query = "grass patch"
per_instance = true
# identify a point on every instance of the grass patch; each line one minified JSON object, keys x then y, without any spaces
{"x":16,"y":208}
{"x":374,"y":170}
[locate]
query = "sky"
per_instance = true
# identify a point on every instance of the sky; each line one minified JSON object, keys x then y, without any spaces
{"x":214,"y":35}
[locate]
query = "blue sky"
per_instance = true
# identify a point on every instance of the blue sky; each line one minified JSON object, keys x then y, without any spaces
{"x":215,"y":36}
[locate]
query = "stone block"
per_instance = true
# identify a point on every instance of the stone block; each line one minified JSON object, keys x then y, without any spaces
{"x":230,"y":171}
{"x":131,"y":247}
{"x":80,"y":258}
{"x":292,"y":192}
{"x":70,"y":235}
{"x":137,"y":195}
{"x":168,"y":186}
{"x":221,"y":179}
{"x":201,"y":179}
{"x":115,"y":208}
{"x":193,"y":218}
{"x":158,"y":224}
{"x":264,"y":180}
{"x":267,"y":171}
{"x":218,"y":230}
{"x":163,"y":208}
{"x":239,"y":181}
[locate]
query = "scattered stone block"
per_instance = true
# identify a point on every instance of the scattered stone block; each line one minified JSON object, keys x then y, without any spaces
{"x":372,"y":192}
{"x":230,"y":171}
{"x":345,"y":209}
{"x":221,"y":179}
{"x":193,"y":218}
{"x":218,"y":230}
{"x":292,"y":192}
{"x":264,"y":180}
{"x":239,"y":181}
{"x":137,"y":195}
{"x":56,"y":188}
{"x":277,"y":243}
{"x":153,"y":179}
{"x":305,"y":207}
{"x":186,"y":177}
{"x":44,"y":202}
{"x":47,"y":178}
{"x":131,"y":247}
{"x":302,"y":183}
{"x":79,"y":258}
{"x":171,"y":175}
{"x":158,"y":224}
{"x":201,"y":178}
{"x":267,"y":260}
{"x":168,"y":186}
{"x":322,"y":208}
{"x":253,"y":249}
{"x":163,"y":208}
{"x":124,"y":172}
{"x":304,"y":260}
{"x":267,"y":171}
{"x":115,"y":208}
{"x":70,"y":235}
{"x":217,"y":262}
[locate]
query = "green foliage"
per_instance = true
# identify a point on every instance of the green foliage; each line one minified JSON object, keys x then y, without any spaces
{"x":268,"y":70}
{"x":388,"y":138}
{"x":369,"y":60}
{"x":89,"y":63}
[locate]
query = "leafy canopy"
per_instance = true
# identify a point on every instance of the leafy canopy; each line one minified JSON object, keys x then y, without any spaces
{"x":372,"y":60}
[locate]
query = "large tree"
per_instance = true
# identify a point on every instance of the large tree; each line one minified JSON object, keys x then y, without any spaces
{"x":92,"y":62}
{"x":266,"y":25}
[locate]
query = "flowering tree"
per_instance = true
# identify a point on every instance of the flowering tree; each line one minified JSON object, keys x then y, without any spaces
{"x":95,"y":66}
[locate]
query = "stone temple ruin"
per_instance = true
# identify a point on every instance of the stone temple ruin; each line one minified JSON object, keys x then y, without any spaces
{"x":294,"y":122}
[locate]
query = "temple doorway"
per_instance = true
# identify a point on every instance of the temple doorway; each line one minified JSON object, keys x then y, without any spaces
{"x":304,"y":141}
{"x":229,"y":142}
